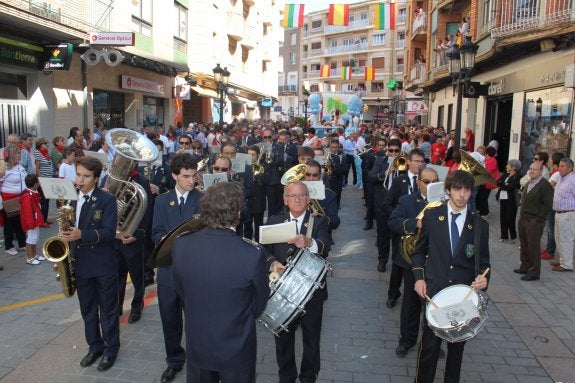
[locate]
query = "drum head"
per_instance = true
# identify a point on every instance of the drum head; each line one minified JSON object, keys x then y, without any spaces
{"x":449,"y":296}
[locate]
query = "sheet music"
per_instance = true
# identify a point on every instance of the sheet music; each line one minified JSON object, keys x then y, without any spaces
{"x":279,"y":233}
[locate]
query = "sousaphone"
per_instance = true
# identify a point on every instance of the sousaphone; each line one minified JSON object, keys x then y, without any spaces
{"x":479,"y":173}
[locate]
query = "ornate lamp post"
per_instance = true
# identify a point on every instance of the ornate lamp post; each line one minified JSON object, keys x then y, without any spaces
{"x":461,"y":61}
{"x":221,"y":77}
{"x":305,"y":93}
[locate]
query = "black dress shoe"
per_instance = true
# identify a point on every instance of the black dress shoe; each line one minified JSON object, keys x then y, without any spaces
{"x":402,"y":350}
{"x":368,"y":227}
{"x":519,"y":271}
{"x":134,"y":317}
{"x":391,"y":302}
{"x":170,"y":374}
{"x":529,"y":278}
{"x":106,"y":362}
{"x":381,"y":267}
{"x":90,"y":358}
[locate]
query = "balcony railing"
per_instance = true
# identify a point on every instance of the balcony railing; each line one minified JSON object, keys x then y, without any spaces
{"x":329,"y":29}
{"x":519,"y":16}
{"x":417,"y":73}
{"x":419,"y":24}
{"x":235,"y":25}
{"x":356,"y":72}
{"x":282,"y":89}
{"x":377,"y":41}
{"x":345,"y":49}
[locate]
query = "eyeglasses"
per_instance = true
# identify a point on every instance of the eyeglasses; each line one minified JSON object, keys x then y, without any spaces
{"x":220,"y":169}
{"x":312,"y":174}
{"x":536,"y":159}
{"x":427,"y":182}
{"x":296,"y":196}
{"x":228,"y":153}
{"x":184,"y":143}
{"x":267,"y":137}
{"x":394,"y":150}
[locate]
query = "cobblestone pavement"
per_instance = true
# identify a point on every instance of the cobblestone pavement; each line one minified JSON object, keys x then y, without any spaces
{"x":529,"y":336}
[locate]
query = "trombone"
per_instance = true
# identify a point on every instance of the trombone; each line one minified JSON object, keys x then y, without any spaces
{"x":399,"y":163}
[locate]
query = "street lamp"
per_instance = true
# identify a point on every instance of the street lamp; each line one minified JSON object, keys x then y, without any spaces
{"x":378,"y":101}
{"x":461,"y":61}
{"x":398,"y":89}
{"x":305,"y":93}
{"x":221,"y":77}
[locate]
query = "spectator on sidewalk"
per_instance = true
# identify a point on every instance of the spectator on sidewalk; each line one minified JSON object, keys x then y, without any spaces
{"x":508,"y":196}
{"x":549,"y":251}
{"x":564,"y":206}
{"x":31,"y":218}
{"x":12,"y":186}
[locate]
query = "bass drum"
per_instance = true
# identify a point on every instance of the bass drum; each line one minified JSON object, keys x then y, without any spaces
{"x":304,"y":274}
{"x":452,"y":320}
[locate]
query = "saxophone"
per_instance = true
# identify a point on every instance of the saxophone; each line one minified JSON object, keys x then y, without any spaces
{"x":57,"y":250}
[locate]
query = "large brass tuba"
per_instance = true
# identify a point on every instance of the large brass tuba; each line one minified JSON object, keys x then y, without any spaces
{"x":57,"y":250}
{"x":130,"y":148}
{"x":407,"y":243}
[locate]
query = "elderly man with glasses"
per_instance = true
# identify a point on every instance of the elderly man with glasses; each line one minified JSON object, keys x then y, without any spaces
{"x":403,"y":221}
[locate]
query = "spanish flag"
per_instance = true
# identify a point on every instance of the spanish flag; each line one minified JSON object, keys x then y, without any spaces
{"x":384,"y":16}
{"x":338,"y":14}
{"x":293,"y":16}
{"x":369,"y":73}
{"x":346,"y":73}
{"x":325,"y":71}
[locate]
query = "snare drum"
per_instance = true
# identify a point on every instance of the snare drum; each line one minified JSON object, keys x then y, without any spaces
{"x":304,"y":274}
{"x":455,"y":320}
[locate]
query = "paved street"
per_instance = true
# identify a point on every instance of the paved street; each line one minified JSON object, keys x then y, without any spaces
{"x":529,"y":336}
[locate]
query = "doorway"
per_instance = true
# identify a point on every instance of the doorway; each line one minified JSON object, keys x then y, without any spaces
{"x":498,"y":127}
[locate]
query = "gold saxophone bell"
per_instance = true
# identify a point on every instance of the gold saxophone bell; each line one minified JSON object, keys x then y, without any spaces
{"x":295,"y":173}
{"x":407,"y":243}
{"x":57,"y":250}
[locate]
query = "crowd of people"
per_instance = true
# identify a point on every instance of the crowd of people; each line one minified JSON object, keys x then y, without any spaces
{"x":389,"y":164}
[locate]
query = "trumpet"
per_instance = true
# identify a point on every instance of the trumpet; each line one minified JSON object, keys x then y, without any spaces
{"x":201,"y":169}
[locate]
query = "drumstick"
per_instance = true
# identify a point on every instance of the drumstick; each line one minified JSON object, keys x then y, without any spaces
{"x":431,"y":301}
{"x":471,"y":289}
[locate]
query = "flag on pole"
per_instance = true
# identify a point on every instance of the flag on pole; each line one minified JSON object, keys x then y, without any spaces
{"x":346,"y":73}
{"x":325,"y":71}
{"x":293,"y":16}
{"x":369,"y":73}
{"x":338,"y":14}
{"x":384,"y":16}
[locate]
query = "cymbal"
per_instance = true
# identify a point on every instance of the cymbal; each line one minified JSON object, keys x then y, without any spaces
{"x":162,"y":254}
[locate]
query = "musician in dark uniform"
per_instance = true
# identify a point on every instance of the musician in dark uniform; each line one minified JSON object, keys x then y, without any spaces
{"x":402,"y":185}
{"x":256,"y":203}
{"x":296,"y":197}
{"x":172,"y":209}
{"x":381,"y":178}
{"x":338,"y":169}
{"x":329,"y":203}
{"x":445,"y":255}
{"x":403,"y":221}
{"x":367,"y":162}
{"x":96,"y":264}
{"x":224,"y":284}
{"x":131,"y":250}
{"x":276,"y":163}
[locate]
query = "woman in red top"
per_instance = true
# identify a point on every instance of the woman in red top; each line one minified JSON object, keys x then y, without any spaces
{"x":485,"y":189}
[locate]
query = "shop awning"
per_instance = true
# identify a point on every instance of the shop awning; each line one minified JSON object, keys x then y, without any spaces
{"x":205,"y":92}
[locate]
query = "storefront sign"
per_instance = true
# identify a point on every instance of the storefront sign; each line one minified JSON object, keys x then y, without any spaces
{"x":496,"y":88}
{"x":112,"y":38}
{"x":416,"y":107}
{"x":60,"y":57}
{"x":17,"y":53}
{"x":141,"y":85}
{"x":552,"y":78}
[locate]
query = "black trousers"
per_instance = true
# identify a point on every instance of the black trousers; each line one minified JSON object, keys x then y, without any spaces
{"x":311,"y":331}
{"x":481,"y":201}
{"x":396,"y":275}
{"x":44,"y":205}
{"x":13,"y":230}
{"x":171,"y":313}
{"x":410,"y":312}
{"x":199,"y":375}
{"x":383,"y":235}
{"x":530,"y":232}
{"x":131,"y":261}
{"x":274,"y":194}
{"x":369,"y":208}
{"x":507,"y":215}
{"x":349,"y":162}
{"x":252,"y":228}
{"x":429,"y":353}
{"x":98,"y":297}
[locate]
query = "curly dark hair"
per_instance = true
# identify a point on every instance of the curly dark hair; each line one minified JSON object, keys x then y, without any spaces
{"x":221,"y":205}
{"x":183,"y":161}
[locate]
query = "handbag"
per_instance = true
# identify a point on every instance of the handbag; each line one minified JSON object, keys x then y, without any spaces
{"x":12,"y":207}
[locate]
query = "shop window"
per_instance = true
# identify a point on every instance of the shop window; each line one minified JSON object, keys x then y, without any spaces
{"x":153,"y":111}
{"x":546,"y":123}
{"x":109,"y":107}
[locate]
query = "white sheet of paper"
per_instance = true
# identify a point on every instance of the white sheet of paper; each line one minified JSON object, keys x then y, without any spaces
{"x":436,"y":192}
{"x":279,"y":233}
{"x":320,"y":159}
{"x":238,"y":165}
{"x":246,"y":158}
{"x":55,"y":188}
{"x":441,"y":171}
{"x":210,"y":179}
{"x":316,"y":189}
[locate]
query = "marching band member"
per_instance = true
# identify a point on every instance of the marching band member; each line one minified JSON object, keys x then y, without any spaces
{"x":296,"y":197}
{"x":338,"y":169}
{"x":445,"y":255}
{"x":403,"y":221}
{"x":329,"y":203}
{"x":257,"y":202}
{"x":172,"y":209}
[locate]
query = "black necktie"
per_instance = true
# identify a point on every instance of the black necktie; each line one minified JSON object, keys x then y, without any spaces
{"x":182,"y":202}
{"x":415,"y":188}
{"x":296,"y":229}
{"x":454,"y":232}
{"x":83,"y":211}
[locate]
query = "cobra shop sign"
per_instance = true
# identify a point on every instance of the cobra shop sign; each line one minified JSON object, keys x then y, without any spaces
{"x":113,"y":38}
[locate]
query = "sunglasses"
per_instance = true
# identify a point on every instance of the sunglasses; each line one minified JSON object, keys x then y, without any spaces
{"x":184,"y":143}
{"x":220,"y":169}
{"x":394,"y":150}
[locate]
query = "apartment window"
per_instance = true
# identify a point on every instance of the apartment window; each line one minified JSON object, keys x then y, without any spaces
{"x":440,"y":112}
{"x":181,"y":35}
{"x":347,"y":87}
{"x":362,"y":62}
{"x":488,"y":13}
{"x":401,"y":15}
{"x":377,"y":86}
{"x":292,"y":58}
{"x":378,"y":62}
{"x":363,"y":16}
{"x":142,"y":16}
{"x":314,"y":88}
{"x":315,"y":46}
{"x":351,"y":19}
{"x":379,"y":39}
{"x":401,"y":40}
{"x":316,"y":24}
{"x":315,"y":67}
{"x":333,"y":43}
{"x":333,"y":65}
{"x":293,"y":39}
{"x":304,"y":69}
